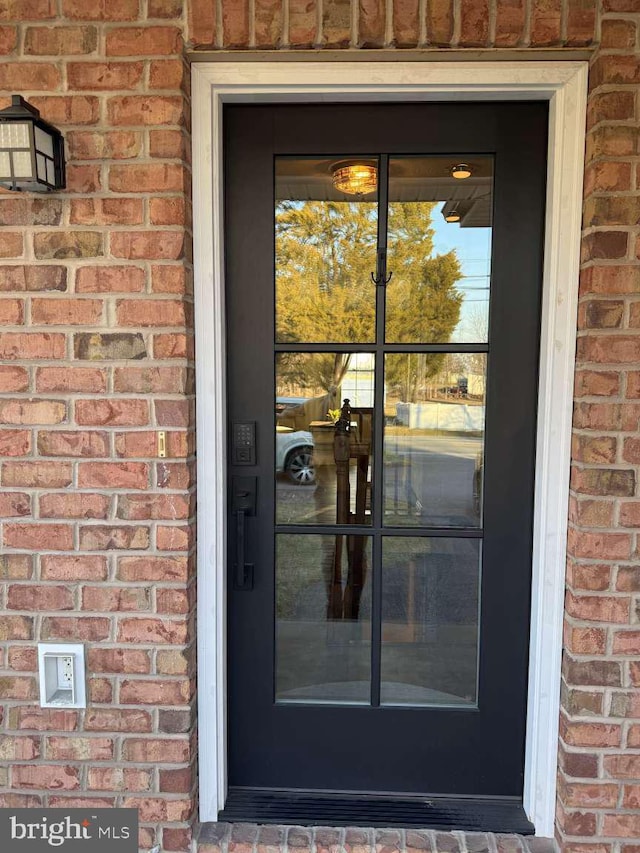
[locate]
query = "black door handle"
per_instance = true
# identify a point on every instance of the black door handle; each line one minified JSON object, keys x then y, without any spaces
{"x":243,"y":503}
{"x":243,"y":573}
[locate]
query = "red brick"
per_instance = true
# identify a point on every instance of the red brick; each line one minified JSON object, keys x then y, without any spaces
{"x":615,"y":68}
{"x":603,"y":481}
{"x":83,"y":628}
{"x":111,"y":279}
{"x":33,"y":278}
{"x":581,"y":22}
{"x":622,"y":766}
{"x":144,"y":41}
{"x":112,"y":412}
{"x":607,"y":106}
{"x":113,"y":475}
{"x":43,"y":719}
{"x":109,"y":145}
{"x":599,"y":545}
{"x":607,"y":176}
{"x":39,"y":537}
{"x":149,"y":380}
{"x":154,"y":245}
{"x":16,"y":567}
{"x":78,"y":505}
{"x":235,"y":23}
{"x":83,"y":178}
{"x":590,"y":734}
{"x":177,"y":839}
{"x":150,"y":312}
{"x":603,"y":383}
{"x":169,"y":279}
{"x":85,"y":380}
{"x":172,"y":601}
{"x":152,"y":631}
{"x":593,"y":673}
{"x":598,"y":608}
{"x":167,"y":211}
{"x":51,"y":475}
{"x":167,"y":73}
{"x":23,"y":659}
{"x":151,"y":568}
{"x":16,"y":628}
{"x":591,"y":795}
{"x":68,"y":109}
{"x":15,"y":442}
{"x":32,"y":411}
{"x":104,"y":76}
{"x":626,"y":643}
{"x":37,"y":76}
{"x":112,"y":538}
{"x":173,"y":346}
{"x":176,"y":781}
{"x":11,"y":312}
{"x":174,"y":538}
{"x":123,"y":599}
{"x":303,"y":23}
{"x":158,"y":507}
{"x":66,"y":312}
{"x":621,"y":825}
{"x":73,"y":567}
{"x":165,"y":9}
{"x":31,"y":345}
{"x":545,"y":23}
{"x":79,"y":748}
{"x":617,"y":141}
{"x":113,"y":720}
{"x":80,"y":443}
{"x":371,"y":22}
{"x":474,"y":30}
{"x":161,"y":750}
{"x":14,"y":504}
{"x":156,"y":692}
{"x":106,"y":211}
{"x":42,"y":597}
{"x":168,"y":144}
{"x":68,"y":244}
{"x":8,"y":40}
{"x":268,"y":17}
{"x":47,"y":777}
{"x":119,"y":779}
{"x":60,"y":41}
{"x":618,"y":33}
{"x":11,"y":245}
{"x":119,"y":661}
{"x":101,"y":10}
{"x":151,"y":177}
{"x":594,"y":449}
{"x":13,"y":378}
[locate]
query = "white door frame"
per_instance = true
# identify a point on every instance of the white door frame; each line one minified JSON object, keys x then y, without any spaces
{"x":564,"y":85}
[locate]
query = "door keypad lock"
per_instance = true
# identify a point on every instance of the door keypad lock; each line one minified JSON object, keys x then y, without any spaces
{"x":243,"y":443}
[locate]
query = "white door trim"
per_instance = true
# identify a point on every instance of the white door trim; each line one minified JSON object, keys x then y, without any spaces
{"x":564,"y":85}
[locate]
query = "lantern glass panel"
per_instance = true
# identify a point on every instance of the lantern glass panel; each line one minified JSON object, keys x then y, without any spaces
{"x":51,"y":172}
{"x":22,"y":164}
{"x":44,"y":142}
{"x":41,"y":165}
{"x":5,"y":165}
{"x":14,"y":135}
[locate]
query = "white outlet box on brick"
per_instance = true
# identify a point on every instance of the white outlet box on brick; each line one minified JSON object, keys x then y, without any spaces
{"x":62,"y":676}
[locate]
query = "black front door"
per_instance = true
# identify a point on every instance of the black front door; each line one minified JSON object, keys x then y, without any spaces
{"x":383,"y":275}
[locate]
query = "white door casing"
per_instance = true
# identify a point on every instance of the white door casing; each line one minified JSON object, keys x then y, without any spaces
{"x":564,"y":85}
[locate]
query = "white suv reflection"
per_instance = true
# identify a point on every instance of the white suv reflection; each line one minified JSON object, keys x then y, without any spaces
{"x":294,"y":448}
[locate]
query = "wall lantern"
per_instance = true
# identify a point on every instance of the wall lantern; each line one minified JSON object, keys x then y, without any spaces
{"x":31,"y":150}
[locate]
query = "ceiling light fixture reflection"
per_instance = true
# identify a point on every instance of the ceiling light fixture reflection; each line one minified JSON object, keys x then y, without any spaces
{"x":355,"y":178}
{"x":452,"y":216}
{"x":461,"y":171}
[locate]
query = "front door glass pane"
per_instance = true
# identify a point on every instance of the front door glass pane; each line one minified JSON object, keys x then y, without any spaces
{"x":439,"y":249}
{"x":430,"y":597}
{"x":326,"y":225}
{"x":315,"y":482}
{"x":434,"y":439}
{"x":323,"y":619}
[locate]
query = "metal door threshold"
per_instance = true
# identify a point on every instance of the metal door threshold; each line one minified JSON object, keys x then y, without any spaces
{"x":304,"y":808}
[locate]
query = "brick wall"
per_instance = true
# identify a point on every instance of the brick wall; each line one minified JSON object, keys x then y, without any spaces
{"x":96,"y":357}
